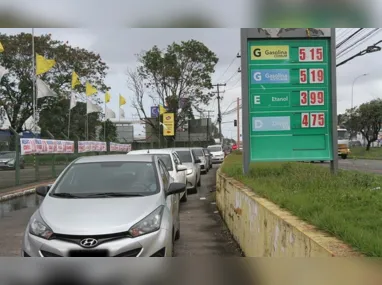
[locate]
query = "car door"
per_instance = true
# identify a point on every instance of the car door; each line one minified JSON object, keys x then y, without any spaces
{"x":172,"y":200}
{"x":197,"y":165}
{"x":180,"y":175}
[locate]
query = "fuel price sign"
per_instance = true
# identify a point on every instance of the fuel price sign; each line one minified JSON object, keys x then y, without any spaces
{"x":289,"y":99}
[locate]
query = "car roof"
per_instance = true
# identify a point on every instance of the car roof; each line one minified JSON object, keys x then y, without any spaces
{"x":151,"y":151}
{"x":181,"y":149}
{"x":114,"y":158}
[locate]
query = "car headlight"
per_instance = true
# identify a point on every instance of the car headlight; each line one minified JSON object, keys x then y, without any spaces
{"x":10,"y":162}
{"x":189,"y":171}
{"x":149,"y":224}
{"x":39,"y":228}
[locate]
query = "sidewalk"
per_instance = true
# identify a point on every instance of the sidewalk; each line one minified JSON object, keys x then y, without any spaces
{"x":16,"y":191}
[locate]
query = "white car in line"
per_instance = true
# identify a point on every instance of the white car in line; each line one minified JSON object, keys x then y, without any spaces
{"x":173,"y":163}
{"x":217,"y":153}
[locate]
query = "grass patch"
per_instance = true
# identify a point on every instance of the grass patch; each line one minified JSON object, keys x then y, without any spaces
{"x":361,"y":153}
{"x":348,"y":206}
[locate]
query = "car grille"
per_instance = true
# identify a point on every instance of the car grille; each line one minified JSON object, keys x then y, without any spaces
{"x":89,"y":253}
{"x":100,"y":238}
{"x":49,"y":254}
{"x":130,"y":253}
{"x":160,"y":253}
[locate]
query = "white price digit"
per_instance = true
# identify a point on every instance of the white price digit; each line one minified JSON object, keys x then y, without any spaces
{"x":316,"y":75}
{"x":317,"y":120}
{"x":316,"y":98}
{"x":305,"y":120}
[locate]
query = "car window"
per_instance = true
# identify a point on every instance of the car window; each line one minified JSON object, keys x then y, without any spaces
{"x":164,"y":174}
{"x":185,"y":156}
{"x":198,"y":152}
{"x":7,"y":155}
{"x":176,"y":158}
{"x":104,"y":177}
{"x":166,"y":159}
{"x":215,"y":148}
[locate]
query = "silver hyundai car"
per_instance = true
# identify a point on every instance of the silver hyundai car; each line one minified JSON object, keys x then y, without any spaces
{"x":110,"y":205}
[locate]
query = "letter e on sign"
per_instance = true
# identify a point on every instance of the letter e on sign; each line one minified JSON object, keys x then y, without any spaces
{"x":257,"y":100}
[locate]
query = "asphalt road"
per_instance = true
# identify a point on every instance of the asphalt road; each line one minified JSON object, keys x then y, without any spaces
{"x":364,"y":165}
{"x":27,"y":175}
{"x":203,"y":232}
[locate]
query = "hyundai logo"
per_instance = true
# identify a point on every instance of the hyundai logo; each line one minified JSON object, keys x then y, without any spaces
{"x":88,"y":242}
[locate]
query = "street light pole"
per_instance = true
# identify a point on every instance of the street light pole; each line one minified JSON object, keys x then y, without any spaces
{"x":352,"y":90}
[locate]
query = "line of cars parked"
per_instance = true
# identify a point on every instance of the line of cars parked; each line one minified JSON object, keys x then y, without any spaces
{"x":117,"y":205}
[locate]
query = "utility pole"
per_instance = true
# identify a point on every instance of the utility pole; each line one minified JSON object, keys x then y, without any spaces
{"x":219,"y":111}
{"x":238,"y":123}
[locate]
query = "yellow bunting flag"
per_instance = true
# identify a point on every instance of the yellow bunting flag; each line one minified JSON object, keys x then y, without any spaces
{"x":122,"y":100}
{"x":43,"y":65}
{"x":107,"y":97}
{"x":1,"y":47}
{"x":75,"y":80}
{"x":90,"y":90}
{"x":162,"y":110}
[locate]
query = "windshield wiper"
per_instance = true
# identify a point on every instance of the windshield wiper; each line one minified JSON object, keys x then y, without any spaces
{"x":113,"y":194}
{"x":65,"y":195}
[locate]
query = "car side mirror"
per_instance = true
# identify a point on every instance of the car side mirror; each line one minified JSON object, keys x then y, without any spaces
{"x":176,"y":188}
{"x":181,"y":168}
{"x":42,"y":190}
{"x":198,"y":161}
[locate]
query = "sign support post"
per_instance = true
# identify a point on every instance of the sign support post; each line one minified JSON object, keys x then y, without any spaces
{"x":289,"y":95}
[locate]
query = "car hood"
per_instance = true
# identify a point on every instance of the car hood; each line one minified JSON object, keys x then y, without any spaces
{"x":189,"y":165}
{"x":96,"y":216}
{"x":216,"y":153}
{"x":4,"y":160}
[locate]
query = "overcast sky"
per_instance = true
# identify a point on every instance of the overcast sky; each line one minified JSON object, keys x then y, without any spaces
{"x":117,"y":47}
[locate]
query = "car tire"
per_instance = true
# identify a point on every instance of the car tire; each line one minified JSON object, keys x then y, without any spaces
{"x":177,"y":235}
{"x":184,"y":198}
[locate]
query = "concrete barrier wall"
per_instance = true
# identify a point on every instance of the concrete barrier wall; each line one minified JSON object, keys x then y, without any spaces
{"x":262,"y":229}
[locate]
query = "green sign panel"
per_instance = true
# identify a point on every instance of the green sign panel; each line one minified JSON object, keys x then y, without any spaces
{"x":289,"y":89}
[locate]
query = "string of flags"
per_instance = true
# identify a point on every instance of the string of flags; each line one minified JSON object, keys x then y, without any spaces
{"x":43,"y":65}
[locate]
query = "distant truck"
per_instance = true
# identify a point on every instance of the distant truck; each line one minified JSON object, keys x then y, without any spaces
{"x":343,"y":143}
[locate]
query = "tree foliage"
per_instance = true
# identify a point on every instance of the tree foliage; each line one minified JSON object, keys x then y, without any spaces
{"x":366,"y":119}
{"x":55,"y":118}
{"x":16,"y":87}
{"x":179,"y":76}
{"x":108,"y":131}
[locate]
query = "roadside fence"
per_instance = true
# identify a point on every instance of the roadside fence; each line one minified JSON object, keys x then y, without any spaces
{"x":30,"y":160}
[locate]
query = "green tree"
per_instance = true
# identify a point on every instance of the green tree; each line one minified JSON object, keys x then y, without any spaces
{"x":55,"y":119}
{"x":16,"y":87}
{"x":109,"y":129}
{"x":366,"y":119}
{"x":178,"y":78}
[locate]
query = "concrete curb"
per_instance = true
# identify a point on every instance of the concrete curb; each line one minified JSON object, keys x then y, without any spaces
{"x":244,"y":211}
{"x":21,"y":192}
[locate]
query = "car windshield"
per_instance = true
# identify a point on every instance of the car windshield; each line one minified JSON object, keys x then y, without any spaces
{"x":6,"y":155}
{"x":198,"y":152}
{"x":108,"y":178}
{"x":185,"y":156}
{"x":214,"y":148}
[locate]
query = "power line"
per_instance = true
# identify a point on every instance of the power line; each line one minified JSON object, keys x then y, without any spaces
{"x":233,"y":60}
{"x":359,"y":42}
{"x":348,"y":38}
{"x":369,"y":49}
